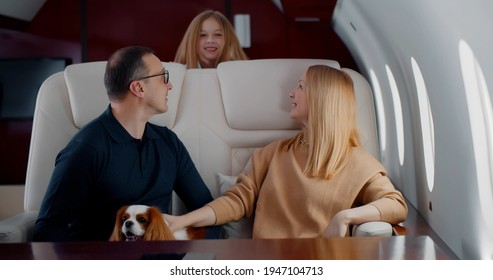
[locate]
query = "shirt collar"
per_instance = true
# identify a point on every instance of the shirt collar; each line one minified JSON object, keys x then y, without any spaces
{"x":118,"y":132}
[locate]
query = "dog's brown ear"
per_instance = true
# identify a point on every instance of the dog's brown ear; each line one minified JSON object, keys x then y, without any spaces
{"x":117,"y":234}
{"x":157,"y":228}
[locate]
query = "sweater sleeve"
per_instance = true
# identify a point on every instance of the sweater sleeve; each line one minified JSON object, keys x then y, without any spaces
{"x":236,"y":203}
{"x":380,"y":193}
{"x":240,"y":200}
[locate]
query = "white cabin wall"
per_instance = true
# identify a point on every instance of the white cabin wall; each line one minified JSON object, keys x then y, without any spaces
{"x":369,"y":53}
{"x":391,"y":32}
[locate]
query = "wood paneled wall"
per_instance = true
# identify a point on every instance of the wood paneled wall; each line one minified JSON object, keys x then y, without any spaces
{"x":105,"y":25}
{"x":90,"y":30}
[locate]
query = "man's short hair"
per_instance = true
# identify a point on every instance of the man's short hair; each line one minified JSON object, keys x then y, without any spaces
{"x":124,"y":66}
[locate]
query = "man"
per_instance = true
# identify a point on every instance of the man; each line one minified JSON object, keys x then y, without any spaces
{"x":120,"y":158}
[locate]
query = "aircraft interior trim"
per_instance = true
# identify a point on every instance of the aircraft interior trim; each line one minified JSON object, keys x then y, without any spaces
{"x":429,"y":66}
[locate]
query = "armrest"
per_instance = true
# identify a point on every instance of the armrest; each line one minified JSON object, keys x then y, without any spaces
{"x":18,"y":228}
{"x":373,"y":229}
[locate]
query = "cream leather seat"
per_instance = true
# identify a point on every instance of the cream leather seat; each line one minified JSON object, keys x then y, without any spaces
{"x":221,"y":115}
{"x":67,"y":101}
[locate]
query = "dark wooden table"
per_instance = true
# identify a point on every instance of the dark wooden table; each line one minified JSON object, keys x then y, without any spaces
{"x":362,"y":248}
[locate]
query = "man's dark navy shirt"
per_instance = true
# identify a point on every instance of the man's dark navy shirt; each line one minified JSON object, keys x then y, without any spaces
{"x":103,"y":168}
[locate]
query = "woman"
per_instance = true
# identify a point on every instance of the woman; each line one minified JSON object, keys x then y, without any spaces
{"x":209,"y":40}
{"x":316,"y":183}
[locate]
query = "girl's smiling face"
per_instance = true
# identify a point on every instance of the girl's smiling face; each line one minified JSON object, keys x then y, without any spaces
{"x":210,"y":43}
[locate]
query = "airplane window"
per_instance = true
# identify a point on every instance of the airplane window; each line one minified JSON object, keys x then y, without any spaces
{"x":382,"y":130}
{"x":399,"y":124}
{"x":481,"y":119}
{"x":427,"y":128}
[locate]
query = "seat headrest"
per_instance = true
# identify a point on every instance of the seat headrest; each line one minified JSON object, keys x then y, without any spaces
{"x":88,"y":97}
{"x":255,"y":93}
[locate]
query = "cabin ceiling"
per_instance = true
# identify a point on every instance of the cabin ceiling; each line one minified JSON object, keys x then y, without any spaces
{"x":307,"y":10}
{"x":21,"y":9}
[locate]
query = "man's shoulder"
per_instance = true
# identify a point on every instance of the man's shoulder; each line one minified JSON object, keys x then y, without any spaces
{"x":92,"y":136}
{"x":90,"y":131}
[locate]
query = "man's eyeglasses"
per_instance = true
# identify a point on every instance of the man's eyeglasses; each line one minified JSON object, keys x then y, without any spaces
{"x":165,"y":75}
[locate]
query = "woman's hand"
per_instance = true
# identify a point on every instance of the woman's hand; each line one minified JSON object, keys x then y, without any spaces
{"x":173,"y":222}
{"x":338,"y":226}
{"x":201,"y":217}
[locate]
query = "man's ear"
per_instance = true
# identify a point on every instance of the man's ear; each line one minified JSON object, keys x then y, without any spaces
{"x":136,"y":87}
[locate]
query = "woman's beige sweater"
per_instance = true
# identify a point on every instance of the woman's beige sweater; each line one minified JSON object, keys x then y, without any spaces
{"x":288,"y":204}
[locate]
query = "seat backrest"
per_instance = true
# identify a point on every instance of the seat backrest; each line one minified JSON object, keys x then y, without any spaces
{"x":88,"y":96}
{"x":255,"y":97}
{"x":67,"y":101}
{"x":221,"y":115}
{"x":225,"y":114}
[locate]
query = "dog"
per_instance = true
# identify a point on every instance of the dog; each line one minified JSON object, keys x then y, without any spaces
{"x":142,"y":222}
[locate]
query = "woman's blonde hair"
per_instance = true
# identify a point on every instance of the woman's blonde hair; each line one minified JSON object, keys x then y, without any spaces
{"x":187,"y":50}
{"x":332,"y":120}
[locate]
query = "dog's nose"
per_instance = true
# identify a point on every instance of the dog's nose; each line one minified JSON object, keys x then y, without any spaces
{"x":128,"y":223}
